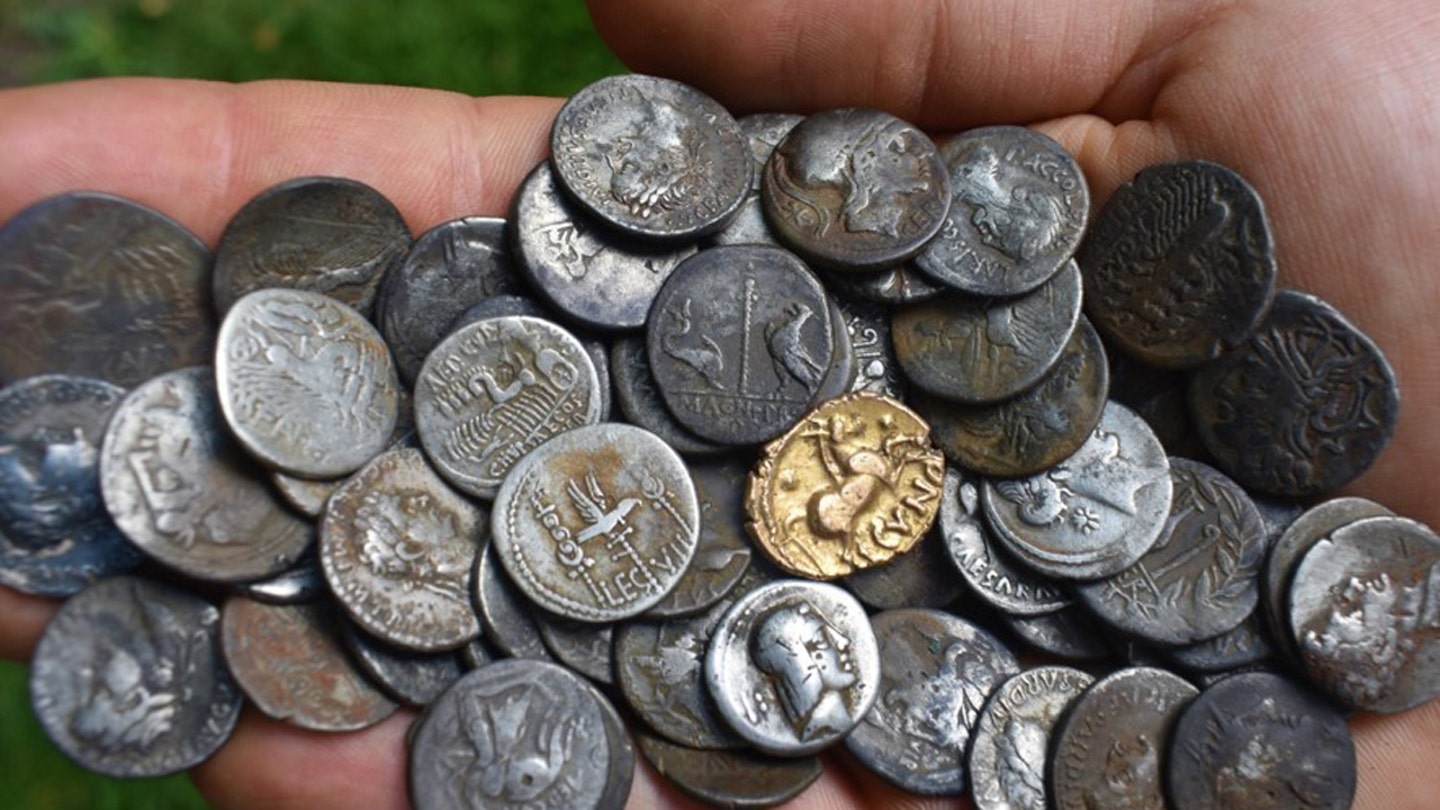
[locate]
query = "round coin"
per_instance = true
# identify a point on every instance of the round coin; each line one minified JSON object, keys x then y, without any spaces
{"x":723,"y":554}
{"x":736,"y":780}
{"x":508,"y":621}
{"x":1070,"y":633}
{"x":922,"y":577}
{"x":414,"y":679}
{"x":586,"y":648}
{"x":641,"y":404}
{"x":763,"y":131}
{"x":1009,"y":746}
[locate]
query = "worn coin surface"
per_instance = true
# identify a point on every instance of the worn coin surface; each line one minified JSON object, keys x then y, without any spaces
{"x":855,"y":189}
{"x":651,"y":156}
{"x":763,"y":131}
{"x":892,"y":286}
{"x":723,"y":553}
{"x":305,"y":382}
{"x":184,"y":492}
{"x":302,"y":582}
{"x":738,"y":780}
{"x":1009,"y":745}
{"x":640,"y":402}
{"x":586,"y":648}
{"x":494,"y":390}
{"x":840,"y":377}
{"x":855,"y":483}
{"x":324,"y":234}
{"x":101,"y":286}
{"x":1247,"y":644}
{"x":922,"y":577}
{"x":1302,"y":407}
{"x":597,"y":524}
{"x":412,"y":678}
{"x":876,"y":368}
{"x":1070,"y":633}
{"x":1179,"y":265}
{"x":128,"y":679}
{"x":936,"y":672}
{"x":398,"y":546}
{"x":508,"y":621}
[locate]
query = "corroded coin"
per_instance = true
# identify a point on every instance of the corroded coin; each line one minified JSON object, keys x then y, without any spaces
{"x":840,"y":377}
{"x":494,"y":390}
{"x":936,"y":672}
{"x":651,"y":156}
{"x":855,"y":189}
{"x":793,"y":666}
{"x":1179,"y":265}
{"x":731,"y":779}
{"x":1018,"y":210}
{"x":1008,"y":748}
{"x":855,"y":483}
{"x":412,"y":678}
{"x":102,"y":287}
{"x":508,"y":621}
{"x":892,"y":286}
{"x":1302,"y":407}
{"x":55,"y":535}
{"x":1245,"y":645}
{"x":641,"y":404}
{"x":184,"y":492}
{"x":763,"y":131}
{"x":1070,"y":633}
{"x":128,"y":679}
{"x":324,"y":234}
{"x":922,"y":577}
{"x":876,"y":368}
{"x":723,"y":554}
{"x":586,"y":648}
{"x":398,"y":546}
{"x":307,"y":496}
{"x":597,"y":524}
{"x":305,"y":382}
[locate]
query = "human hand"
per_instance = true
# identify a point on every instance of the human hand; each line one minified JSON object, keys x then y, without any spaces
{"x":1329,"y":112}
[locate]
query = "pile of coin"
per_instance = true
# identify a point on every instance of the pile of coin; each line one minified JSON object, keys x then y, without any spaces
{"x":517,"y":471}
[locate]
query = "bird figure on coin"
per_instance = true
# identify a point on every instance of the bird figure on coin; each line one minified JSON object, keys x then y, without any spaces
{"x":594,"y":508}
{"x":787,"y":347}
{"x":705,"y":357}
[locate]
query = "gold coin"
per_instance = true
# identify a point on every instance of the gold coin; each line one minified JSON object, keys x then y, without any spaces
{"x":855,"y":483}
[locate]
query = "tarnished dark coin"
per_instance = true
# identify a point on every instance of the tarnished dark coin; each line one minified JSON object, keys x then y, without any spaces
{"x":1018,"y":210}
{"x":184,"y":492}
{"x":305,"y":382}
{"x":739,"y":340}
{"x":621,"y":773}
{"x":1108,"y":749}
{"x":289,"y":661}
{"x":1161,"y":398}
{"x":984,"y":350}
{"x":1247,"y":644}
{"x":477,"y":654}
{"x":936,"y":672}
{"x":723,"y":553}
{"x":593,"y":276}
{"x":1302,"y":407}
{"x":398,"y":546}
{"x":641,"y":404}
{"x":1363,"y":609}
{"x":922,"y":577}
{"x":507,"y":619}
{"x":305,"y":495}
{"x":855,"y":189}
{"x":736,"y":780}
{"x":597,"y":524}
{"x":1201,"y":577}
{"x":55,"y":535}
{"x":494,"y":390}
{"x":651,"y":156}
{"x":102,"y":287}
{"x":586,"y":648}
{"x":763,"y":131}
{"x":1009,"y":746}
{"x":1179,"y":265}
{"x":302,"y":582}
{"x":893,"y":286}
{"x":1070,"y":633}
{"x":840,"y":378}
{"x":1036,"y":430}
{"x":1093,"y":514}
{"x":323,"y":234}
{"x":128,"y":679}
{"x":876,"y":368}
{"x":514,"y":734}
{"x":1261,"y":742}
{"x":412,"y":678}
{"x":450,"y":268}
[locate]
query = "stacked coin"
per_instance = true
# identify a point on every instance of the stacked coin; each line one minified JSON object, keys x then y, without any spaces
{"x":792,"y":530}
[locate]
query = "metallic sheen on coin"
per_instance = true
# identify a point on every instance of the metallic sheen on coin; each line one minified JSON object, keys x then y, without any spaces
{"x":1011,"y":739}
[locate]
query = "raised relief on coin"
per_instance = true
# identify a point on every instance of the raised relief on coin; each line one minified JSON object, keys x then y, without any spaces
{"x":854,"y":484}
{"x":641,"y":404}
{"x":1011,"y":737}
{"x":763,"y":131}
{"x":722,"y":556}
{"x":876,"y":368}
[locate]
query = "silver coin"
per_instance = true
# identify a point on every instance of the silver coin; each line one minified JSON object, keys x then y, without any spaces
{"x":128,"y":679}
{"x":302,"y":582}
{"x":735,"y":780}
{"x":891,"y":286}
{"x":724,"y":551}
{"x":305,"y":495}
{"x":597,"y":524}
{"x":411,"y":678}
{"x":508,"y":621}
{"x":184,"y":492}
{"x":793,"y":666}
{"x":398,"y":546}
{"x":876,"y":367}
{"x":1247,"y":644}
{"x":1007,"y":758}
{"x":306,"y":383}
{"x":641,"y":404}
{"x":494,"y":390}
{"x":763,"y":131}
{"x":922,"y":577}
{"x":586,"y":648}
{"x":1069,"y":633}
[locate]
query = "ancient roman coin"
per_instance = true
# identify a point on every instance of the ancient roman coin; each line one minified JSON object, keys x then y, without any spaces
{"x":1260,"y":741}
{"x":597,"y":524}
{"x":128,"y":679}
{"x":1093,"y":514}
{"x":1363,"y":609}
{"x":55,"y":535}
{"x":641,"y":404}
{"x":591,"y":275}
{"x":739,"y":340}
{"x":936,"y":672}
{"x":1201,"y":577}
{"x":855,"y":189}
{"x":876,"y":367}
{"x":651,"y":156}
{"x":1247,"y":644}
{"x":302,"y":582}
{"x":922,"y":577}
{"x":1017,"y":213}
{"x":621,"y":773}
{"x":289,"y":661}
{"x":763,"y":131}
{"x":398,"y":546}
{"x":981,"y":350}
{"x":101,"y":286}
{"x":412,"y":678}
{"x":1302,"y":407}
{"x":739,"y":780}
{"x":1108,"y":749}
{"x":840,"y":377}
{"x":305,"y":382}
{"x":1179,"y":265}
{"x":1158,"y":396}
{"x":892,"y":286}
{"x":494,"y":390}
{"x":586,"y":648}
{"x":507,"y":620}
{"x":723,"y":554}
{"x":1008,"y":748}
{"x":1070,"y":633}
{"x":793,"y":666}
{"x":323,"y":234}
{"x":307,"y":496}
{"x":855,"y":483}
{"x":184,"y":492}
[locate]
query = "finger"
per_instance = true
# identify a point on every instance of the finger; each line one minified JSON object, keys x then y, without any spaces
{"x":22,"y":619}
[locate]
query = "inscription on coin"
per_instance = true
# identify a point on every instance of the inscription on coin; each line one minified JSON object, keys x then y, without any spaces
{"x":1007,"y":758}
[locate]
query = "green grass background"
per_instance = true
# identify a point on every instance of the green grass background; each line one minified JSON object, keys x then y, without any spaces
{"x":544,"y":47}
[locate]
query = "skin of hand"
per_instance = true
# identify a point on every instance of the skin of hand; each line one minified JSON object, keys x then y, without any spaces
{"x":1330,"y":109}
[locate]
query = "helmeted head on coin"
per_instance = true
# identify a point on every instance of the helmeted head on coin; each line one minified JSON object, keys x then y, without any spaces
{"x":809,"y":665}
